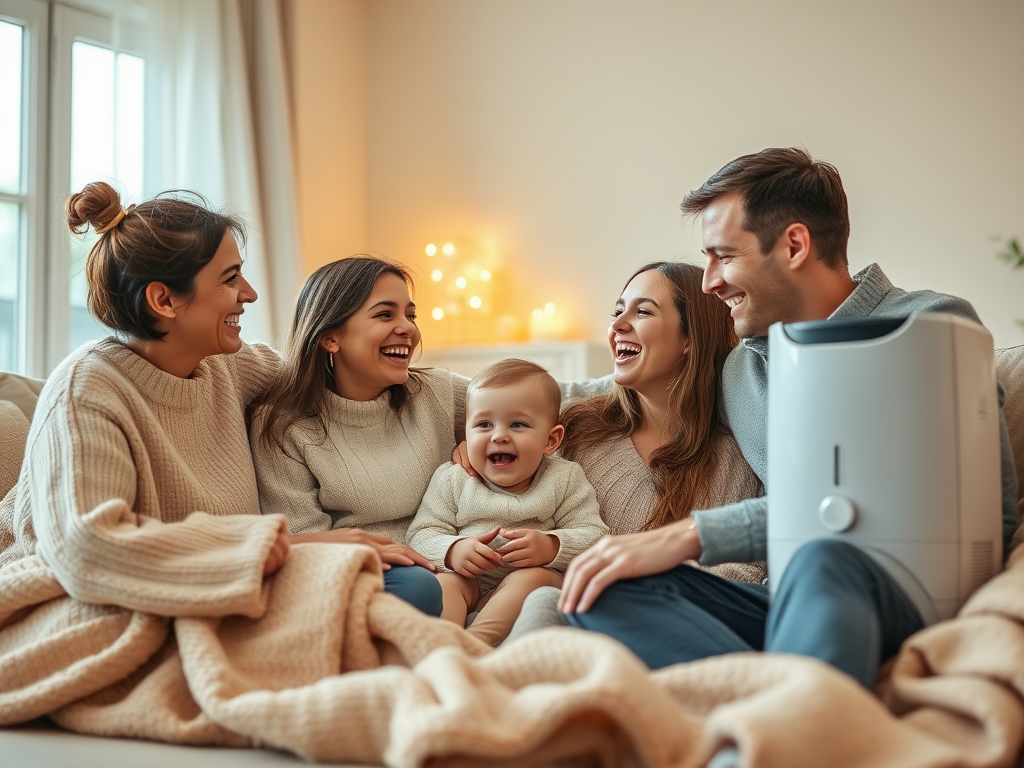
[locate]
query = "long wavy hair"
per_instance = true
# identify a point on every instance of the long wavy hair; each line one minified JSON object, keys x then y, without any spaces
{"x":684,"y":465}
{"x":329,"y":298}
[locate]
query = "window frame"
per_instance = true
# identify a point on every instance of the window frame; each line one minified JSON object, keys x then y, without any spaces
{"x":68,"y":25}
{"x":44,"y":257}
{"x":30,"y":336}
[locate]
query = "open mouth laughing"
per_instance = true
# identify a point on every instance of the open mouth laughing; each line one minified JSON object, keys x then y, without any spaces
{"x":501,"y":460}
{"x":397,"y":352}
{"x":625,"y":351}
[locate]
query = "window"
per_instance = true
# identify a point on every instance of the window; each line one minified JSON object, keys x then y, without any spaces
{"x":23,"y":55}
{"x":62,"y":76}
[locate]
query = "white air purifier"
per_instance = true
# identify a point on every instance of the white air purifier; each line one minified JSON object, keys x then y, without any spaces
{"x":884,"y":432}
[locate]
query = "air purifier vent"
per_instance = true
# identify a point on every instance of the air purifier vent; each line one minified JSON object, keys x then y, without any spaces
{"x":982,"y":566}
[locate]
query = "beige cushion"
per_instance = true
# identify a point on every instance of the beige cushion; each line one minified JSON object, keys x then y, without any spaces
{"x":13,"y":434}
{"x":20,"y":390}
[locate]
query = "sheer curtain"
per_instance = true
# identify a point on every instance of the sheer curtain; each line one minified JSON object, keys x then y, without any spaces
{"x":223,"y":130}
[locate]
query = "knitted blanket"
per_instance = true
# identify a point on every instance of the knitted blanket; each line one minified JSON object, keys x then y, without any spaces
{"x":307,"y":677}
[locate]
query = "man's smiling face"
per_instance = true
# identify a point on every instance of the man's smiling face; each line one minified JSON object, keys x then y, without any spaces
{"x":752,"y":283}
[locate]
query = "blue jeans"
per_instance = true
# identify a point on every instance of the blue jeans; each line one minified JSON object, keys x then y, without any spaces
{"x":834,"y":603}
{"x":416,"y":585}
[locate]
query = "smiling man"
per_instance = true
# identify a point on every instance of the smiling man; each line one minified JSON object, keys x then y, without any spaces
{"x":775,"y":227}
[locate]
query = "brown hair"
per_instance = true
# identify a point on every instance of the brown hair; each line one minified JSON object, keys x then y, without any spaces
{"x":166,"y":240}
{"x":511,"y":371}
{"x":683,"y":466}
{"x":330,"y":296}
{"x":781,"y":187}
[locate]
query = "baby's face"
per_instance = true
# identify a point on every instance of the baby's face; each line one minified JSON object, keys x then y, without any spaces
{"x":509,"y":430}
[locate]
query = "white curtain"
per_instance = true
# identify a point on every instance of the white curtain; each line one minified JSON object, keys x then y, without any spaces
{"x":224,"y":132}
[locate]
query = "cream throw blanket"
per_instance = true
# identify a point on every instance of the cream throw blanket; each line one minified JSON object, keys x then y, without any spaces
{"x":560,"y":696}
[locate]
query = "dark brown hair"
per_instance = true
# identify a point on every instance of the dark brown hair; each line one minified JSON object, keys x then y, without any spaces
{"x":511,"y":371}
{"x":683,"y":466}
{"x":782,"y":187}
{"x":329,"y":298}
{"x":165,"y":240}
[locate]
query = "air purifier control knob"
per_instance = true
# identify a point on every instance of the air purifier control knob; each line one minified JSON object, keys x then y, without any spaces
{"x":837,"y":513}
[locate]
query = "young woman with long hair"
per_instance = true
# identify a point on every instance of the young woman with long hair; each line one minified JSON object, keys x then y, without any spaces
{"x":347,"y":436}
{"x":654,"y":448}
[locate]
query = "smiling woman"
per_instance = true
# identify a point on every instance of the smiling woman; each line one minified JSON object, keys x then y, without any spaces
{"x":347,"y":438}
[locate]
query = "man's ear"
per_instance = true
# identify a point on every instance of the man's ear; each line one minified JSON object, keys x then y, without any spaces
{"x":329,"y":342}
{"x":554,"y":439}
{"x":160,"y":300}
{"x":797,"y":239}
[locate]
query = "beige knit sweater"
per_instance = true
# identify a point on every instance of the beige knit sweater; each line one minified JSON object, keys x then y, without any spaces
{"x":138,"y":489}
{"x":559,"y":501}
{"x":627,"y":493}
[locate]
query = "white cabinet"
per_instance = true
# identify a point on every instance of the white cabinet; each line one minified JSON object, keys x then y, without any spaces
{"x":565,"y":360}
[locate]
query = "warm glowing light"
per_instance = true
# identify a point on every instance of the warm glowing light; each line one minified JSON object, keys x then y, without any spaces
{"x":431,"y":249}
{"x":475,"y":302}
{"x":437,"y":313}
{"x":436,"y":275}
{"x":447,"y":249}
{"x":538,"y":314}
{"x":485,"y":275}
{"x":549,"y":308}
{"x":460,"y":282}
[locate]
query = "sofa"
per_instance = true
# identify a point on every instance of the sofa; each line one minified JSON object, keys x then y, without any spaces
{"x":39,"y":743}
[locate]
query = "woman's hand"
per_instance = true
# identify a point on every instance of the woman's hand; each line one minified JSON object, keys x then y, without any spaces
{"x":278,"y":553}
{"x":460,"y":456}
{"x":528,"y":548}
{"x":391,"y":553}
{"x":626,"y":557}
{"x":471,"y":556}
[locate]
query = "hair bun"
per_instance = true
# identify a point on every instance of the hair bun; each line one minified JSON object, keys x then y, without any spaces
{"x":97,"y":204}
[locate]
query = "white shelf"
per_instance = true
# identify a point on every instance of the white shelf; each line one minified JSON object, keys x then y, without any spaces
{"x":565,"y":360}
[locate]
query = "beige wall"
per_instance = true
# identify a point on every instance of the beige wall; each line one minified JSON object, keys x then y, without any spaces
{"x":326,"y":44}
{"x":557,"y":137}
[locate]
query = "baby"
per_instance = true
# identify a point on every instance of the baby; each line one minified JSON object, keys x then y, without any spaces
{"x":514,"y":529}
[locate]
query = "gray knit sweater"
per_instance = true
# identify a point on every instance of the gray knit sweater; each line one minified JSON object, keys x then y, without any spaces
{"x":738,"y":532}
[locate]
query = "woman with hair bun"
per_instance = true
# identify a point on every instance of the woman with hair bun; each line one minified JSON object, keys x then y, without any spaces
{"x":138,"y":489}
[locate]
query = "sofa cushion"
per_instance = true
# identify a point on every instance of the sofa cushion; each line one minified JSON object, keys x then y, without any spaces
{"x":1010,"y":372}
{"x":22,"y":391}
{"x":13,"y":434}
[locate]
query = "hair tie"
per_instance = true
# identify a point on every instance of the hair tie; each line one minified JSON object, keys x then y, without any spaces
{"x":116,"y":220}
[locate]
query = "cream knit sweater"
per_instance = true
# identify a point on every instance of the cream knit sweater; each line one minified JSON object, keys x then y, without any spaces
{"x":371,"y":469}
{"x":137,"y":488}
{"x":559,"y":501}
{"x":627,"y":493}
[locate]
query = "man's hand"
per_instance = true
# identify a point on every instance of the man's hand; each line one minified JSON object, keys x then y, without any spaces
{"x":528,"y":548}
{"x":472,"y":557}
{"x":278,"y":553}
{"x":626,"y":557}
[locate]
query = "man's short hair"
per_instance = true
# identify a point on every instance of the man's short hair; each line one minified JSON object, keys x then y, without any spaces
{"x":783,"y":186}
{"x":512,"y":371}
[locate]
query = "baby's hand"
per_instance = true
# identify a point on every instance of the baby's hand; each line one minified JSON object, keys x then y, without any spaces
{"x":472,"y":557}
{"x":528,"y":548}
